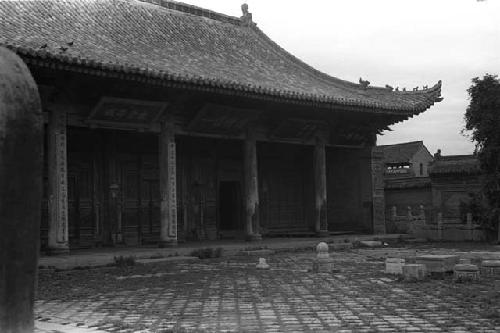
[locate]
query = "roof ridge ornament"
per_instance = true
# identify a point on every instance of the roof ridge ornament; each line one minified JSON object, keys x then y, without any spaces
{"x":246,"y":18}
{"x":364,"y":83}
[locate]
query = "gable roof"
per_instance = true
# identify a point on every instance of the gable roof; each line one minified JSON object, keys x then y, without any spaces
{"x":455,"y":165}
{"x":167,"y":42}
{"x":401,"y":152}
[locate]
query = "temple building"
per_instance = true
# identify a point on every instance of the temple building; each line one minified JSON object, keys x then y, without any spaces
{"x":167,"y":122}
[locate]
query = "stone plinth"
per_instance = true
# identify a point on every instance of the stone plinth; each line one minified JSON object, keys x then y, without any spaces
{"x":438,"y":263}
{"x":262,"y":264}
{"x":490,"y":267}
{"x":322,"y":263}
{"x":414,"y":272}
{"x":465,"y":272}
{"x":394,"y":266}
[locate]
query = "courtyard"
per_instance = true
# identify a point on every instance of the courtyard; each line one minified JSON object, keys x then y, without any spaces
{"x":229,"y":294}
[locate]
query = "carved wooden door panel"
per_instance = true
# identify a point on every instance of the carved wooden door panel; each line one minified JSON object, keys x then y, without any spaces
{"x":150,"y":199}
{"x":129,"y":203}
{"x":80,"y":200}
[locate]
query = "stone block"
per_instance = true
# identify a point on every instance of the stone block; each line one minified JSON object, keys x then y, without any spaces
{"x":435,"y":263}
{"x":414,"y":272}
{"x":490,"y":267}
{"x":322,"y":265}
{"x":370,"y":243}
{"x":394,"y":265}
{"x":465,"y":272}
{"x":340,"y":246}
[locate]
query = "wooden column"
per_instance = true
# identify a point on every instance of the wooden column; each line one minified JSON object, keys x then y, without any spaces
{"x":321,"y":221}
{"x":251,"y":185}
{"x":378,"y":196}
{"x":168,"y":185}
{"x":58,"y":241}
{"x":20,"y":192}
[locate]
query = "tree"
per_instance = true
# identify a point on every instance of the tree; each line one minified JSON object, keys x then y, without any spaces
{"x":482,"y":118}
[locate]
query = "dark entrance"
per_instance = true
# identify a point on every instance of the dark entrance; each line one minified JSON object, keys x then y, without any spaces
{"x":229,"y":207}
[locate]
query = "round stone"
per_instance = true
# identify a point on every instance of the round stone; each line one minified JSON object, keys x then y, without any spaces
{"x":322,"y":247}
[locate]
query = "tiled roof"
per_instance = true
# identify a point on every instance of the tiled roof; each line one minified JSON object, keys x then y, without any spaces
{"x":414,"y":182}
{"x":455,"y":165}
{"x":402,"y":152}
{"x":166,"y":41}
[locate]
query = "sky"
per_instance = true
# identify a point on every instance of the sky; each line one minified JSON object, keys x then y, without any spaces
{"x":402,"y":43}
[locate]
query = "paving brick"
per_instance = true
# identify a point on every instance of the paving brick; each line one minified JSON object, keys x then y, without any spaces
{"x":230,"y":294}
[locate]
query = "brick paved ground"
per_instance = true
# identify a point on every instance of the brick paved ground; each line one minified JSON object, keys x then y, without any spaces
{"x":229,"y":294}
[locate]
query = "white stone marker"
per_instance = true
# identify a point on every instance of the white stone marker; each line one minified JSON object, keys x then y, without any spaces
{"x":323,"y":263}
{"x":262,"y":264}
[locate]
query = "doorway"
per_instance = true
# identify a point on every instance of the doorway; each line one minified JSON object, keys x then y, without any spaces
{"x":229,"y":208}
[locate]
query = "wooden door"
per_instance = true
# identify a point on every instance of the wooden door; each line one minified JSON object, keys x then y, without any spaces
{"x":80,"y":200}
{"x":149,"y":199}
{"x":130,"y":200}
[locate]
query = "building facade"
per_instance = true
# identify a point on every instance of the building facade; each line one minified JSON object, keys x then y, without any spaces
{"x":167,"y":122}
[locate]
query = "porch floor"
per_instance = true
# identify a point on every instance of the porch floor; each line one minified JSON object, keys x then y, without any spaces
{"x":104,"y":256}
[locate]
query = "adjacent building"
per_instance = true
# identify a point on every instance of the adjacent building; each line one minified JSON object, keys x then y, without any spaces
{"x":168,"y":122}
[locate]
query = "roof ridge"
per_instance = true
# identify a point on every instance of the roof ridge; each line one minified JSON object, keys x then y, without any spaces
{"x":195,"y":10}
{"x":402,"y":143}
{"x":332,"y":79}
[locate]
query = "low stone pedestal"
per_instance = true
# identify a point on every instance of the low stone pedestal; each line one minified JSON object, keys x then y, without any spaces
{"x":262,"y":264}
{"x":322,"y":263}
{"x":438,"y":263}
{"x":414,"y":272}
{"x":465,"y":272}
{"x":490,"y":267}
{"x":394,"y":266}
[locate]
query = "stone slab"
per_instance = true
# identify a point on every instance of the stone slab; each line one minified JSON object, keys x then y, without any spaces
{"x":394,"y":266}
{"x":370,"y":243}
{"x":340,"y":246}
{"x":438,"y":263}
{"x":157,"y":260}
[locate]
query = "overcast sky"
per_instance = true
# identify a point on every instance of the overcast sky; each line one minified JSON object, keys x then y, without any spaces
{"x":397,"y":42}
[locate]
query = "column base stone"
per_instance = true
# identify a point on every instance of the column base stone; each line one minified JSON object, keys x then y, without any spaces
{"x":253,"y":237}
{"x":57,"y":251}
{"x":170,"y":243}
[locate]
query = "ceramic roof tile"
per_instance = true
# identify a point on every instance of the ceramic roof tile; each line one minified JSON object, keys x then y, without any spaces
{"x":455,"y":165}
{"x":171,"y":41}
{"x":402,"y":152}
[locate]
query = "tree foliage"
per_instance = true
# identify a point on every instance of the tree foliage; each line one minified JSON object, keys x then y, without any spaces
{"x":482,"y":118}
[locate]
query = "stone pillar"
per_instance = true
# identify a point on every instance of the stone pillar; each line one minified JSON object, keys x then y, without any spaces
{"x":251,"y":185}
{"x":320,"y":185}
{"x":168,"y":185}
{"x":378,"y":197}
{"x":20,"y":192}
{"x":58,"y":241}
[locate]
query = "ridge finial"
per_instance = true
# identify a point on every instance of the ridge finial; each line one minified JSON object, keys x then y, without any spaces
{"x":246,"y":18}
